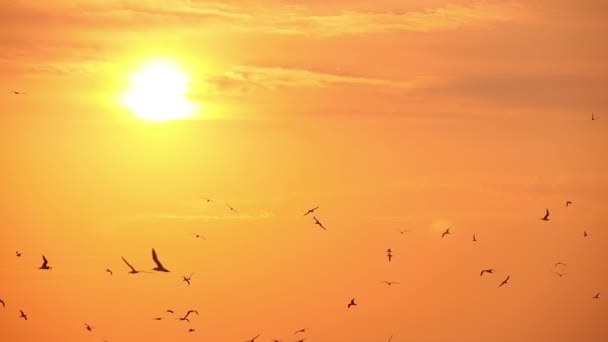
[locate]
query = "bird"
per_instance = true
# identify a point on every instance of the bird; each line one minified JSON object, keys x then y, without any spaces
{"x":24,"y":316}
{"x":191,"y":330}
{"x":389,"y":254}
{"x":18,"y":254}
{"x":546,"y":217}
{"x":597,"y":296}
{"x":593,"y":117}
{"x":185,"y":318}
{"x":559,"y":263}
{"x":18,"y":92}
{"x":253,"y":339}
{"x":109,"y":271}
{"x":504,"y":282}
{"x":352,"y":303}
{"x":199,"y":236}
{"x":474,"y":238}
{"x":585,"y":233}
{"x":568,"y":203}
{"x":389,"y":283}
{"x":560,"y":274}
{"x":3,"y":304}
{"x":302,"y":339}
{"x":133,"y":270}
{"x":159,"y":267}
{"x":187,"y":279}
{"x":275,"y":340}
{"x":208,"y":200}
{"x":157,"y":318}
{"x":88,"y":327}
{"x":170,"y":311}
{"x":310,"y":211}
{"x":490,"y":270}
{"x":231,"y":208}
{"x":45,"y":263}
{"x":318,"y":223}
{"x":401,"y":231}
{"x":300,"y":331}
{"x":447,"y":232}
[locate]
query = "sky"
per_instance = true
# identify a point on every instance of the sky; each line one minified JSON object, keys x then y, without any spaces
{"x":387,"y":115}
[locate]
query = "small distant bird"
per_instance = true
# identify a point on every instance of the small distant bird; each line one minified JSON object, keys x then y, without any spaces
{"x":559,"y":263}
{"x":275,"y":340}
{"x":310,"y":211}
{"x":191,"y":330}
{"x":389,"y":283}
{"x":170,"y":311}
{"x":585,"y":233}
{"x":185,"y":318}
{"x":2,"y":302}
{"x":232,"y":209}
{"x":198,"y":236}
{"x":45,"y":263}
{"x":352,"y":303}
{"x":593,"y":117}
{"x":24,"y":316}
{"x":389,"y":254}
{"x":253,"y":339}
{"x":302,"y":339}
{"x":18,"y":92}
{"x":447,"y":232}
{"x":109,"y":271}
{"x":208,"y":200}
{"x":88,"y":327}
{"x":505,"y":282}
{"x":597,"y":296}
{"x":133,"y":270}
{"x":546,"y":217}
{"x":490,"y":270}
{"x":187,"y":279}
{"x":303,"y":330}
{"x":18,"y":254}
{"x":560,"y":274}
{"x":401,"y":231}
{"x":568,"y":203}
{"x":157,"y":318}
{"x":159,"y":267}
{"x":318,"y":223}
{"x":474,"y":238}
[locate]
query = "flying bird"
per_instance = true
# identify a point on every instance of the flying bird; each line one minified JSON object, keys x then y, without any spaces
{"x":133,"y":270}
{"x":447,"y":232}
{"x":45,"y":263}
{"x":318,"y":223}
{"x":559,"y":263}
{"x":546,"y":217}
{"x":208,"y":200}
{"x":191,"y":330}
{"x":170,"y":311}
{"x":199,"y":236}
{"x":585,"y":233}
{"x":185,"y":318}
{"x":474,"y":238}
{"x":504,"y":282}
{"x":253,"y":339}
{"x":3,"y":304}
{"x":490,"y":270}
{"x":310,"y":211}
{"x":18,"y":92}
{"x":300,"y":331}
{"x":18,"y":254}
{"x":593,"y":117}
{"x":560,"y":274}
{"x":568,"y":203}
{"x":88,"y":327}
{"x":187,"y":279}
{"x":597,"y":296}
{"x":159,"y":267}
{"x":389,"y":283}
{"x":109,"y":271}
{"x":401,"y":231}
{"x":24,"y":316}
{"x":352,"y":303}
{"x":157,"y":318}
{"x":231,"y":208}
{"x":389,"y":254}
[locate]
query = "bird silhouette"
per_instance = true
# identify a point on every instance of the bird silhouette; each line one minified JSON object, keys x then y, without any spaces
{"x":185,"y":318}
{"x":401,"y":231}
{"x":45,"y":264}
{"x":447,"y":232}
{"x":18,"y":92}
{"x":559,"y":263}
{"x":593,"y":117}
{"x":310,"y":211}
{"x":302,"y":339}
{"x":597,"y":296}
{"x":24,"y":316}
{"x":109,"y":271}
{"x":318,"y":223}
{"x":300,"y":331}
{"x":198,"y":236}
{"x":546,"y":217}
{"x":253,"y":339}
{"x":208,"y":200}
{"x":3,"y":304}
{"x":490,"y":270}
{"x":191,"y":330}
{"x":585,"y":233}
{"x":505,"y":282}
{"x":232,"y":209}
{"x":474,"y":238}
{"x":159,"y":267}
{"x":88,"y":327}
{"x":157,"y":318}
{"x":187,"y":279}
{"x":352,"y":303}
{"x":560,"y":274}
{"x":170,"y":311}
{"x":389,"y":283}
{"x":133,"y":270}
{"x":568,"y":203}
{"x":389,"y":254}
{"x":18,"y":254}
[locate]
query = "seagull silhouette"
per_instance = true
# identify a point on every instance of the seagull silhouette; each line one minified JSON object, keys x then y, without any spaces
{"x":504,"y":282}
{"x":18,"y":254}
{"x":560,"y":274}
{"x":559,"y":263}
{"x":185,"y":318}
{"x":170,"y":311}
{"x":187,"y":279}
{"x":585,"y":233}
{"x":546,"y":217}
{"x":159,"y":267}
{"x":232,"y":209}
{"x":191,"y":330}
{"x":88,"y":327}
{"x":474,"y":238}
{"x":310,"y":211}
{"x":24,"y":316}
{"x":133,"y":270}
{"x":109,"y":271}
{"x":18,"y":92}
{"x":593,"y":117}
{"x":490,"y":270}
{"x":208,"y":200}
{"x":401,"y":231}
{"x":253,"y":339}
{"x":3,"y":304}
{"x":597,"y":296}
{"x":447,"y":232}
{"x":318,"y":223}
{"x":389,"y":283}
{"x":300,"y":331}
{"x":352,"y":303}
{"x":45,"y":263}
{"x":568,"y":203}
{"x":157,"y":318}
{"x":199,"y":236}
{"x":302,"y":339}
{"x":389,"y":254}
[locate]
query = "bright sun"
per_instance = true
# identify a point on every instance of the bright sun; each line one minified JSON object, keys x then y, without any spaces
{"x":157,"y":92}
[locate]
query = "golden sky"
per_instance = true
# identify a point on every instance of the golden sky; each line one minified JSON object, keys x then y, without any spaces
{"x":410,"y":114}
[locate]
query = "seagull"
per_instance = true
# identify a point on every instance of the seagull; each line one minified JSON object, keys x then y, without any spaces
{"x":253,"y":339}
{"x":474,"y":239}
{"x":170,"y":311}
{"x":133,"y":270}
{"x":109,"y":271}
{"x":24,"y":316}
{"x":504,"y":282}
{"x":301,"y":340}
{"x":18,"y":92}
{"x":18,"y":254}
{"x":231,"y":208}
{"x":490,"y":270}
{"x":559,"y":263}
{"x":597,"y":296}
{"x":318,"y":223}
{"x":275,"y":340}
{"x":593,"y":117}
{"x":352,"y":303}
{"x":157,"y":318}
{"x":401,"y":231}
{"x":389,"y":283}
{"x":159,"y":267}
{"x":560,"y":274}
{"x":185,"y":318}
{"x":389,"y":254}
{"x":568,"y":203}
{"x":88,"y":327}
{"x":585,"y":233}
{"x":198,"y":236}
{"x":310,"y":211}
{"x":546,"y":218}
{"x":187,"y":279}
{"x":191,"y":330}
{"x":2,"y":302}
{"x":45,"y":265}
{"x":447,"y":232}
{"x":208,"y":200}
{"x":300,"y":331}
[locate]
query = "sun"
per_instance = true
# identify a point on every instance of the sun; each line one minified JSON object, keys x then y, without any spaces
{"x":157,"y":92}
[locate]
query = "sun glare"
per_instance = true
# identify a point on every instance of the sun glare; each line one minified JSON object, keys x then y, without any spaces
{"x":157,"y":92}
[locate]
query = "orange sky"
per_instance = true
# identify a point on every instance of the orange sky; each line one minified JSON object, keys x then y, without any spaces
{"x":388,"y":114}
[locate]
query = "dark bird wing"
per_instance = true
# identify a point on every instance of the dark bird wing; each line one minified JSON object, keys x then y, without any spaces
{"x":44,"y":261}
{"x":156,"y":261}
{"x":2,"y":302}
{"x":126,"y":262}
{"x":546,"y":215}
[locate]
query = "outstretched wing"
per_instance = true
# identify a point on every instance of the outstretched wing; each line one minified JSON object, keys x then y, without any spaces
{"x":126,"y":262}
{"x":155,"y":258}
{"x":44,"y":261}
